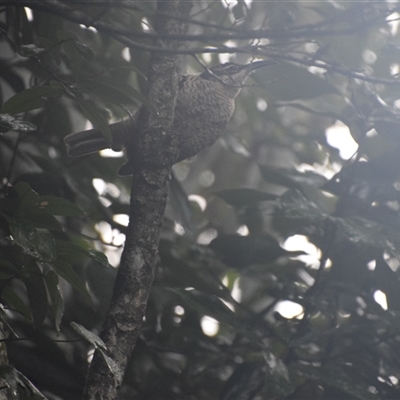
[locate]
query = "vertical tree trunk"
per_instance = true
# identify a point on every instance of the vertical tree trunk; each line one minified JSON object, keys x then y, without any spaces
{"x":154,"y":156}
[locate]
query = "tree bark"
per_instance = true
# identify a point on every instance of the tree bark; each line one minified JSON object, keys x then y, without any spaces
{"x":153,"y":158}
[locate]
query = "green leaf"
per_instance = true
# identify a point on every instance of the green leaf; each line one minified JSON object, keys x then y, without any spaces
{"x":32,"y":242}
{"x":26,"y":195}
{"x":57,"y":302}
{"x":58,"y":206}
{"x":91,"y":337}
{"x":97,"y":119}
{"x":9,"y":123}
{"x":7,"y":269}
{"x":15,"y":302}
{"x":41,"y":221}
{"x":100,"y":346}
{"x":74,"y":253}
{"x":30,"y":99}
{"x":111,"y":90}
{"x":244,"y":197}
{"x":37,"y":294}
{"x":67,"y":272}
{"x":212,"y":306}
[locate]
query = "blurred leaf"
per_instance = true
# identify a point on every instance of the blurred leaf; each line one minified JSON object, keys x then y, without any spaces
{"x":285,"y":81}
{"x":341,"y":377}
{"x":42,"y":221}
{"x":292,"y":178}
{"x":57,"y":302}
{"x":66,"y":272}
{"x":212,"y":306}
{"x":32,"y":242}
{"x":244,"y":197}
{"x":110,"y":90}
{"x":388,"y":281}
{"x":30,"y":99}
{"x":58,"y":206}
{"x":245,"y":382}
{"x":180,"y":203}
{"x":19,"y":387}
{"x":97,"y":119}
{"x":74,"y":253}
{"x":15,"y":302}
{"x":37,"y":294}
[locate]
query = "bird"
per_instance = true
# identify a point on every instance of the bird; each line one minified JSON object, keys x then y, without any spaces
{"x":204,"y":105}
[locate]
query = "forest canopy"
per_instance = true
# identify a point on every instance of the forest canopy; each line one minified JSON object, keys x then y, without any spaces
{"x":277,"y":271}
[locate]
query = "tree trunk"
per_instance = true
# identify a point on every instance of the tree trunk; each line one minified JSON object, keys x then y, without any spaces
{"x":153,"y":160}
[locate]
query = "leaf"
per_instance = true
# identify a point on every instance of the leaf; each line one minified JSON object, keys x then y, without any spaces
{"x":26,"y":194}
{"x":58,"y":206}
{"x":9,"y":123}
{"x":41,"y":221}
{"x":31,"y":241}
{"x":75,"y":253}
{"x":7,"y":269}
{"x":113,"y":367}
{"x":287,"y":82}
{"x":18,"y":386}
{"x":37,"y":294}
{"x":30,"y":99}
{"x":341,"y":377}
{"x":67,"y":272}
{"x":57,"y":302}
{"x":15,"y":302}
{"x":212,"y":306}
{"x":245,"y":382}
{"x":180,"y":204}
{"x":388,"y":282}
{"x":111,"y":90}
{"x":98,"y":344}
{"x":244,"y":197}
{"x":295,"y":206}
{"x":91,"y":337}
{"x":292,"y":178}
{"x":97,"y":119}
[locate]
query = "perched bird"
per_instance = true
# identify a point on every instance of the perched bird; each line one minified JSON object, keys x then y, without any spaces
{"x":204,"y":105}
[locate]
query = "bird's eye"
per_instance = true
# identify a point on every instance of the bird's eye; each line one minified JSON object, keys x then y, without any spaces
{"x":234,"y":68}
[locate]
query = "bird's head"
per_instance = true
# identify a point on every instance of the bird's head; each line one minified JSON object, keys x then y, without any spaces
{"x":233,"y":75}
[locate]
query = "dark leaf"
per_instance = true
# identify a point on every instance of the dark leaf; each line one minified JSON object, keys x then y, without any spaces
{"x":66,"y":272}
{"x":37,"y":294}
{"x":57,"y":302}
{"x":15,"y":302}
{"x":30,"y":99}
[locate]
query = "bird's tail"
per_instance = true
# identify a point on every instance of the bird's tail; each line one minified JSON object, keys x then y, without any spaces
{"x":90,"y":141}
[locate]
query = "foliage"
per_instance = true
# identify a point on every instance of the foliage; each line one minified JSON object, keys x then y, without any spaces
{"x":273,"y":176}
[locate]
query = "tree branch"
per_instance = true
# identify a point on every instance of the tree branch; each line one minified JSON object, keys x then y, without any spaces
{"x":155,"y":154}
